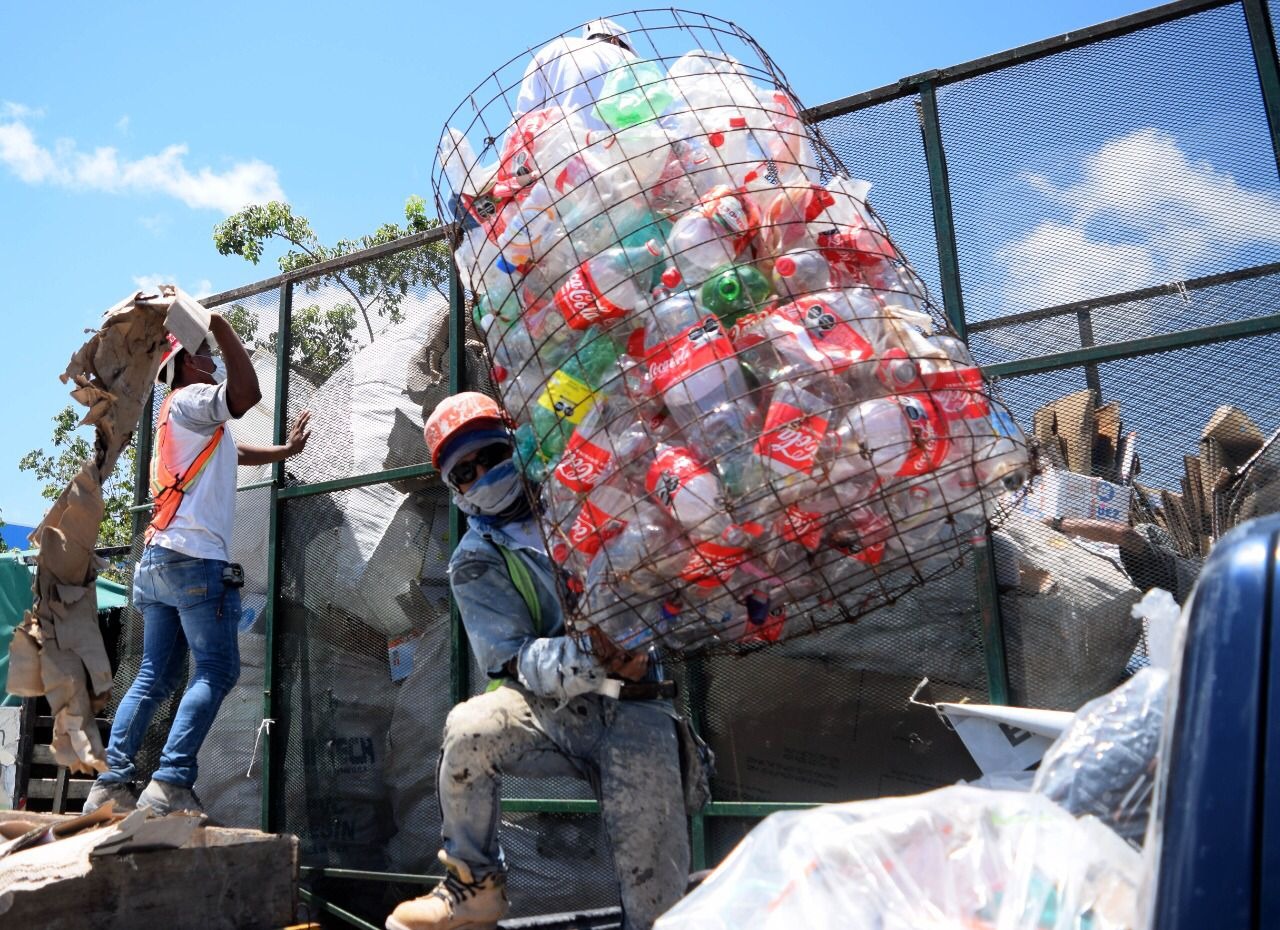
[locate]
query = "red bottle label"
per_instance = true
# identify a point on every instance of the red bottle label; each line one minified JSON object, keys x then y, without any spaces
{"x":930,"y":442}
{"x":790,"y":439}
{"x":959,"y":393}
{"x":802,"y":526}
{"x":583,"y":464}
{"x":582,"y":304}
{"x":702,"y":344}
{"x":831,"y":337}
{"x":670,"y":471}
{"x":592,"y":528}
{"x":712,"y":563}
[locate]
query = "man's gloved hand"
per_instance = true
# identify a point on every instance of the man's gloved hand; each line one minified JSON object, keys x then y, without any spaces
{"x":631,"y":666}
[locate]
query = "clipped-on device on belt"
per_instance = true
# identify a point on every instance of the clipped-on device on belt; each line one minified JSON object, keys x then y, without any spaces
{"x":647,"y":691}
{"x":233,"y":576}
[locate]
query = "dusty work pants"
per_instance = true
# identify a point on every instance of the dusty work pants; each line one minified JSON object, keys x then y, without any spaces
{"x":626,"y":749}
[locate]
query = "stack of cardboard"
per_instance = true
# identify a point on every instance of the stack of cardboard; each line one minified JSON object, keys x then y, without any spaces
{"x":1077,"y":434}
{"x":1202,"y":512}
{"x":1235,"y":475}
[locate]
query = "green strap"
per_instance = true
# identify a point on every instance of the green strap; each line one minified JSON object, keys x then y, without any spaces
{"x":523,"y":582}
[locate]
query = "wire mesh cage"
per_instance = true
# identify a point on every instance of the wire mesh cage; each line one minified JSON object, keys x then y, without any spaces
{"x":743,"y":416}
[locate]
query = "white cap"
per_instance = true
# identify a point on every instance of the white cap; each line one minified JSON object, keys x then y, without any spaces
{"x":605,"y":27}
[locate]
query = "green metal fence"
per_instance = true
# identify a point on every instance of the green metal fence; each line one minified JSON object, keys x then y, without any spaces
{"x":340,"y":754}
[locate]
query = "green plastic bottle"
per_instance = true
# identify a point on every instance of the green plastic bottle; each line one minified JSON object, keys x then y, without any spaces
{"x":633,"y":93}
{"x":569,"y":393}
{"x":734,"y":291}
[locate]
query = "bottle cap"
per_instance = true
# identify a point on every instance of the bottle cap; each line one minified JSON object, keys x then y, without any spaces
{"x":499,"y":373}
{"x":671,"y":277}
{"x":785,"y":266}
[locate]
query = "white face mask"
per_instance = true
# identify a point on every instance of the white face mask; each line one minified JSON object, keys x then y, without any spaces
{"x":494,"y":492}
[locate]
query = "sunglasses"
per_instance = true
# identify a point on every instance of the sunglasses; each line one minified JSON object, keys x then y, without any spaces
{"x":486,"y":457}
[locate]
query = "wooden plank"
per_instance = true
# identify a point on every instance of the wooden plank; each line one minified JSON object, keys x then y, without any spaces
{"x":76,"y":789}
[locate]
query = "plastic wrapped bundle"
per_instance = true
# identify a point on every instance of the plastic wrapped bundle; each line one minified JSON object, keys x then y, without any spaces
{"x":1105,"y":762}
{"x":735,"y":400}
{"x":956,"y":857}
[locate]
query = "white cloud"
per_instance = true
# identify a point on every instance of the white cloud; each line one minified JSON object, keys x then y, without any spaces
{"x":122,"y":125}
{"x":151,"y":283}
{"x":1175,"y":215}
{"x":11,"y":110}
{"x":103,"y":169}
{"x":155,"y":223}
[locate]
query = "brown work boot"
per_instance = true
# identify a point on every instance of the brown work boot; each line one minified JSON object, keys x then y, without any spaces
{"x":460,"y":902}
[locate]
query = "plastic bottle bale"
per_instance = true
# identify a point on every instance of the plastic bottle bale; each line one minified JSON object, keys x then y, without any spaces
{"x":667,"y":250}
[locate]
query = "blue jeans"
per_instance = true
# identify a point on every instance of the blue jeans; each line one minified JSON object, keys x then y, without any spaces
{"x":184,"y":607}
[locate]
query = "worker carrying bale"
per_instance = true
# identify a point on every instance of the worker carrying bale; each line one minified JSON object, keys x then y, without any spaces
{"x":555,"y":706}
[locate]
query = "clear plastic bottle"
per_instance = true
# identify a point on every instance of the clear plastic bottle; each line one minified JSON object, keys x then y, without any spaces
{"x":689,"y":490}
{"x":610,"y":284}
{"x":712,"y":234}
{"x":690,"y":363}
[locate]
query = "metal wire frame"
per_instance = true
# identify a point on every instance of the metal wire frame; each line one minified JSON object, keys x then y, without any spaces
{"x":1268,"y":67}
{"x":692,"y":626}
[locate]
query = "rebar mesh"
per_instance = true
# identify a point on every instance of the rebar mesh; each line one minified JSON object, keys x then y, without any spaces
{"x":744,"y":417}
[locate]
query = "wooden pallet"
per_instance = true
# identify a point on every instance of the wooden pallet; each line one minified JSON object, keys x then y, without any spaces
{"x":43,"y":785}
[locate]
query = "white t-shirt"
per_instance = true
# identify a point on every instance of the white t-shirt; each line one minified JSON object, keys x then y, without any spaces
{"x":569,"y":73}
{"x":202,"y":525}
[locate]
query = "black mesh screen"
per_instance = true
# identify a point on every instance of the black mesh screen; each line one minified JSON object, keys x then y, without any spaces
{"x":1129,"y":162}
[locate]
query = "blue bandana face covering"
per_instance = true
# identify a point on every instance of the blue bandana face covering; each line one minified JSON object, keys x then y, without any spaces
{"x":494,"y":493}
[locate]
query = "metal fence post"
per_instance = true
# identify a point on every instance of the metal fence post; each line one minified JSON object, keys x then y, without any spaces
{"x":141,"y":463}
{"x":944,"y":229}
{"x":459,"y":655}
{"x":953,"y":297}
{"x":1262,"y":38}
{"x":279,"y":427}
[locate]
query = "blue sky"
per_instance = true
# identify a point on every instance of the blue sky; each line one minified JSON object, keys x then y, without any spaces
{"x":338,"y":111}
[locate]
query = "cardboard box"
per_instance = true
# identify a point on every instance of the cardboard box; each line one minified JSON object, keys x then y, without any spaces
{"x":1059,"y":493}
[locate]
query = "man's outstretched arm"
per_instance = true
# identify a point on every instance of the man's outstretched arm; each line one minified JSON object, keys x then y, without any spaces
{"x":265,"y":455}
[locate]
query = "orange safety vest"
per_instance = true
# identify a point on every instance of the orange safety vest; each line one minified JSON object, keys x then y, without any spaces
{"x":167,"y":488}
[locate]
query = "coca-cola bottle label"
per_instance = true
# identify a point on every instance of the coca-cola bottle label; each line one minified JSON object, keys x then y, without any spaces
{"x":567,"y":397}
{"x":790,"y":439}
{"x":702,"y":344}
{"x":802,"y":526}
{"x":712,"y":563}
{"x":822,"y":331}
{"x":930,"y":441}
{"x":582,"y":304}
{"x":670,"y":471}
{"x":592,"y":528}
{"x":958,"y":392}
{"x":583,"y":463}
